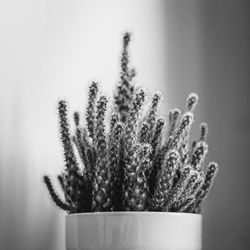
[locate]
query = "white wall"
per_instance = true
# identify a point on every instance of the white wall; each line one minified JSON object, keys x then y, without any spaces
{"x":48,"y":50}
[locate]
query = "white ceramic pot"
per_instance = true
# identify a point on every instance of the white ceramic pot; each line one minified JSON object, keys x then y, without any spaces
{"x":133,"y":231}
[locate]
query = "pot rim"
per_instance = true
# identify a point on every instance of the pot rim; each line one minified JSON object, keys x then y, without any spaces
{"x":135,"y":213}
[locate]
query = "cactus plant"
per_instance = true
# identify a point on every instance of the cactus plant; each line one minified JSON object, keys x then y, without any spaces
{"x":134,"y":163}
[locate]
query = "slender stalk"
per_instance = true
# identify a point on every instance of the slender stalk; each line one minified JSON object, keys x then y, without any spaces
{"x":175,"y":193}
{"x":101,"y":191}
{"x":165,"y":181}
{"x":54,"y":196}
{"x":192,"y":101}
{"x":211,"y":173}
{"x":91,"y":109}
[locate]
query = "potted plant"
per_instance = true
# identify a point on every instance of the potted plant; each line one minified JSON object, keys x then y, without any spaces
{"x":139,"y":183}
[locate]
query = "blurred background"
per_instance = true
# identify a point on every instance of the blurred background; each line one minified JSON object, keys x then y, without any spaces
{"x":54,"y":49}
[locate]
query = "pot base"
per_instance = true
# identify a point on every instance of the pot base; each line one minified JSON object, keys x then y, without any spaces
{"x":133,"y":231}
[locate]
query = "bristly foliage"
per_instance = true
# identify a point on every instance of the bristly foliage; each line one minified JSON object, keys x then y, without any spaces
{"x":129,"y":162}
{"x":125,"y":89}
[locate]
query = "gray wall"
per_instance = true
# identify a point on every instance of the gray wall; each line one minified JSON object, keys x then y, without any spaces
{"x":225,"y":69}
{"x":209,"y":53}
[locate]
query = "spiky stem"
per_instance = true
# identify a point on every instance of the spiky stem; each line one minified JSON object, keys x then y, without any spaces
{"x":211,"y":173}
{"x":192,"y":101}
{"x":173,"y":118}
{"x":114,"y":120}
{"x":152,"y":113}
{"x":91,"y":109}
{"x":135,"y":184}
{"x":80,"y":140}
{"x":164,"y":182}
{"x":197,"y":185}
{"x":198,"y":156}
{"x":54,"y":196}
{"x":61,"y":181}
{"x":145,"y":167}
{"x":76,"y":118}
{"x":132,"y":124}
{"x":182,"y":204}
{"x":203,"y":131}
{"x":114,"y":149}
{"x":157,"y":138}
{"x":172,"y":143}
{"x":175,"y":193}
{"x":183,"y":129}
{"x":125,"y":89}
{"x":130,"y":178}
{"x":69,"y":156}
{"x":190,"y":184}
{"x":71,"y":175}
{"x":144,"y":133}
{"x":101,"y":191}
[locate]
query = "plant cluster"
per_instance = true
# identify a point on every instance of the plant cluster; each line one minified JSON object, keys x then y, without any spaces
{"x":130,"y":161}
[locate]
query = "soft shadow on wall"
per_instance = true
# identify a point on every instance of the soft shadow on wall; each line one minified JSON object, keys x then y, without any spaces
{"x":208,"y":52}
{"x":225,"y":80}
